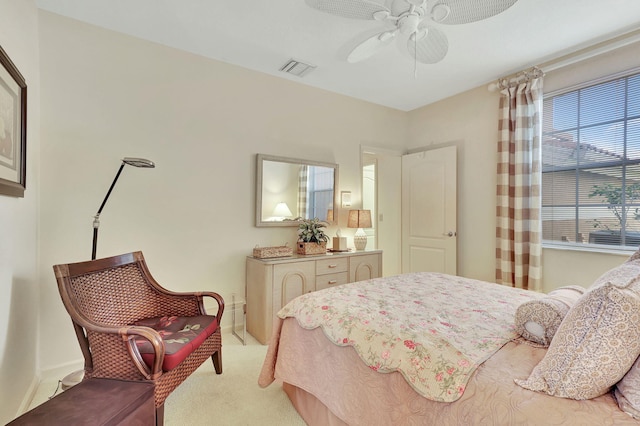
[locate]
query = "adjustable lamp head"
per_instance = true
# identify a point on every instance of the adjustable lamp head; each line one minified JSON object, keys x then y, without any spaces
{"x":138,"y":162}
{"x":131,"y":161}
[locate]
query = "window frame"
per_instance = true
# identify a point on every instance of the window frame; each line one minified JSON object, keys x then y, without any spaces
{"x":590,"y":247}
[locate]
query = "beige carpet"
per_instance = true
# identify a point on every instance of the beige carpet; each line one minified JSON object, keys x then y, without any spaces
{"x":232,"y":398}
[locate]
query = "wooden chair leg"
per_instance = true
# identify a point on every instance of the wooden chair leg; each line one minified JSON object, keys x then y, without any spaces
{"x":217,"y":361}
{"x":160,"y":415}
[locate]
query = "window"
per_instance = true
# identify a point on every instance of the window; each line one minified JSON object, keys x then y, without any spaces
{"x":319,"y":192}
{"x":591,"y":165}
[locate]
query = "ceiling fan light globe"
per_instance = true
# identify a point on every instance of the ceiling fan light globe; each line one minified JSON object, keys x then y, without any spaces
{"x":440,"y":12}
{"x":419,"y":34}
{"x":409,"y":24}
{"x":386,"y":35}
{"x":381,"y":15}
{"x":455,"y":12}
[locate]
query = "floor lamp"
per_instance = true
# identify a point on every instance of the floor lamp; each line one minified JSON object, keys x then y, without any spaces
{"x":76,"y":377}
{"x":135,"y":162}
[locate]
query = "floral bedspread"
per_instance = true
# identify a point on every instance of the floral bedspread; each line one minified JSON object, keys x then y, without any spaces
{"x":435,"y":329}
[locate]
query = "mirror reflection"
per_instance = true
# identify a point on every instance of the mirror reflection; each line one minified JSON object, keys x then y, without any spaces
{"x":290,"y":189}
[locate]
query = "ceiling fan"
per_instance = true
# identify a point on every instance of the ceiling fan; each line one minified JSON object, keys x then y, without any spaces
{"x":412,"y":20}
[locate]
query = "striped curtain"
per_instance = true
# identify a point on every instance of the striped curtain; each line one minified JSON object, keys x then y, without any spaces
{"x":303,"y":183}
{"x":518,"y":227}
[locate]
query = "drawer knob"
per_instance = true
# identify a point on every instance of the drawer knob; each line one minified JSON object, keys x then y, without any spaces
{"x":332,"y":281}
{"x":333,"y":265}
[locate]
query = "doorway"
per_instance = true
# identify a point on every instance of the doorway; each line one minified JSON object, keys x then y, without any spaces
{"x":381,"y":180}
{"x":413,"y":201}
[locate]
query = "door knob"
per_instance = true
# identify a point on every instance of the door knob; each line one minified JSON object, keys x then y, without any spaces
{"x":450,"y":234}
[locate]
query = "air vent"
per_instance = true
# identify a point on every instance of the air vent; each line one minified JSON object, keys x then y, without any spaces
{"x":297,"y":68}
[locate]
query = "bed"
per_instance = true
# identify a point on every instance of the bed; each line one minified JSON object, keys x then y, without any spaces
{"x":429,"y":348}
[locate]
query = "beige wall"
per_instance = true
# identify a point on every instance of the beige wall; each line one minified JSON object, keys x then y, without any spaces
{"x":468,"y":121}
{"x":106,"y":96}
{"x":624,"y":58}
{"x":18,"y":223}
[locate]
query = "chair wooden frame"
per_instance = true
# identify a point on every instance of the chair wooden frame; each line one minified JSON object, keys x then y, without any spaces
{"x":105,"y":296}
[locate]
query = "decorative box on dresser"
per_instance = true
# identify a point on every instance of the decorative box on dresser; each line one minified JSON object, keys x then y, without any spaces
{"x":272,"y":283}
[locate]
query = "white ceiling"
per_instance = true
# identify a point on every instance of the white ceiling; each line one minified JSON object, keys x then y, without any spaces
{"x":262,"y":35}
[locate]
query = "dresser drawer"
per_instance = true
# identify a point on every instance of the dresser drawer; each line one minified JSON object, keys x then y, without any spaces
{"x":331,"y":280}
{"x":331,"y":266}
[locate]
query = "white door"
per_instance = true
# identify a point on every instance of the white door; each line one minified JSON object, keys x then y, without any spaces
{"x":429,"y":211}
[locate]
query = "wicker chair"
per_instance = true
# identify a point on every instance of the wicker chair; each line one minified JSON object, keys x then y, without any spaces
{"x":107,"y":297}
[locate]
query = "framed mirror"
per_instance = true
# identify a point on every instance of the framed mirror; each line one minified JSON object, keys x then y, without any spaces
{"x":290,"y":189}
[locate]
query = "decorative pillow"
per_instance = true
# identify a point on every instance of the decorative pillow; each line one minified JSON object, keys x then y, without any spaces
{"x":628,"y":391}
{"x":594,"y":347}
{"x":634,"y":256}
{"x":624,"y":275}
{"x":538,"y":320}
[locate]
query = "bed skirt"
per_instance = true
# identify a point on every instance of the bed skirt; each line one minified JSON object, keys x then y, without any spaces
{"x":312,"y":411}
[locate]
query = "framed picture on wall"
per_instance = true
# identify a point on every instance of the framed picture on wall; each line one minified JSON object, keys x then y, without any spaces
{"x":13,"y":129}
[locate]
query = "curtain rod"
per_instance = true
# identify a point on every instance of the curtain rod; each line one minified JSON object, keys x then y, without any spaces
{"x":522,"y":76}
{"x":575,"y":58}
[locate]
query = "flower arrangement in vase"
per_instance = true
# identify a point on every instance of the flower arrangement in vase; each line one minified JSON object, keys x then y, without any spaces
{"x":311,"y":237}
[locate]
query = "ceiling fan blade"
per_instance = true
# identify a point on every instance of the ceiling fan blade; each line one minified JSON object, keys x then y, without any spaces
{"x":453,"y":12}
{"x":432,"y":47}
{"x":357,"y":9}
{"x":367,"y":48}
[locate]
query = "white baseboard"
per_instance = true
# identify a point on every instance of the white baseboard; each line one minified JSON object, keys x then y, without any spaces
{"x":43,"y":376}
{"x":58,"y":373}
{"x":28,"y":396}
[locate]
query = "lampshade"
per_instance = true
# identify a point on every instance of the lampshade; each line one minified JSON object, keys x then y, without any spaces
{"x":359,"y":219}
{"x":330,"y":215}
{"x":282,"y":210}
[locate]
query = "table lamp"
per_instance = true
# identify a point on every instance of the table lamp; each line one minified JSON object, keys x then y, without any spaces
{"x":282,"y":212}
{"x":359,"y":219}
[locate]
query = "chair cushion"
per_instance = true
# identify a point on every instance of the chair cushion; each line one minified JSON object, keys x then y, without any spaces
{"x":181,"y":336}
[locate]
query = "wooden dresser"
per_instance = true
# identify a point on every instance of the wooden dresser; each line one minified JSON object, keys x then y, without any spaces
{"x":272,"y":283}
